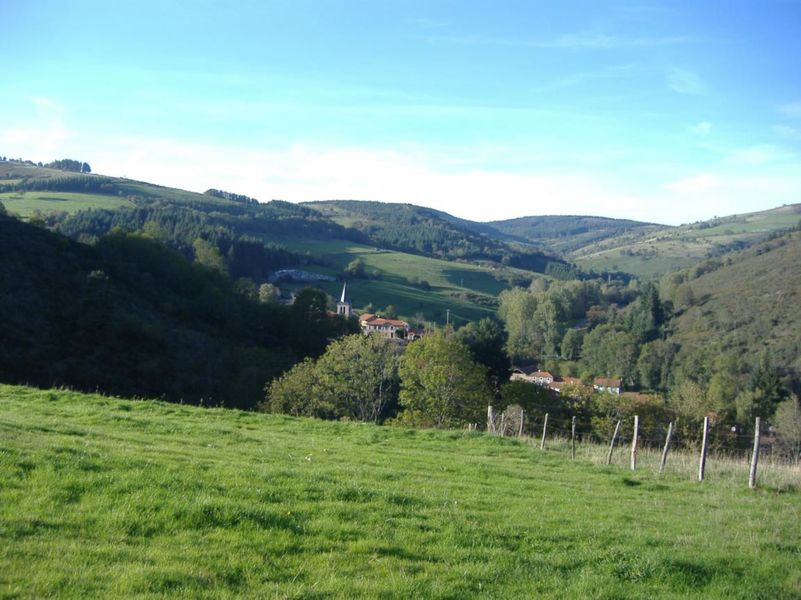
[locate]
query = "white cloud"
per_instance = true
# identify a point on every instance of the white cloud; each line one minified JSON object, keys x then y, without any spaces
{"x":39,"y":137}
{"x":304,"y":172}
{"x":793,"y":109}
{"x":706,"y":194}
{"x":569,"y":41}
{"x":684,"y":81}
{"x":760,"y":154}
{"x":704,"y":128}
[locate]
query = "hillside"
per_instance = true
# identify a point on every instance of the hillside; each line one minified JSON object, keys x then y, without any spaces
{"x":116,"y":499}
{"x":747,"y":302}
{"x":651,"y":252}
{"x":569,"y":234}
{"x":421,"y":230}
{"x":256,"y":239}
{"x":132,"y":317}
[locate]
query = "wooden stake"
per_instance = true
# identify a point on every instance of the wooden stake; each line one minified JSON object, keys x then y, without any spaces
{"x":573,"y":439}
{"x":503,"y":424}
{"x":490,"y":420}
{"x":665,"y":449}
{"x":634,"y":442}
{"x":612,"y":445}
{"x":544,"y":429}
{"x":522,"y":418}
{"x":702,"y":462}
{"x":754,"y":457}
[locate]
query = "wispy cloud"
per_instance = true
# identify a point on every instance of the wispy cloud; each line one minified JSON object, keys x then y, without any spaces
{"x":574,"y":41}
{"x":792,"y":109}
{"x":41,"y":136}
{"x":788,"y":132}
{"x":760,"y":154}
{"x":704,"y":128}
{"x":428,"y":23}
{"x":684,"y":81}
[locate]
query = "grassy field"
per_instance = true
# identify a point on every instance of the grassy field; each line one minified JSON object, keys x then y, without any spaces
{"x":25,"y":204}
{"x":451,"y":282}
{"x":102,"y":497}
{"x":652,"y":254}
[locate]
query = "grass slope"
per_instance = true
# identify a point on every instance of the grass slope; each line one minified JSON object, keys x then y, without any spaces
{"x":469,"y":290}
{"x":109,"y":498}
{"x":567,"y":234}
{"x":750,"y":303}
{"x":121,"y":193}
{"x":650,"y":253}
{"x":26,"y":204}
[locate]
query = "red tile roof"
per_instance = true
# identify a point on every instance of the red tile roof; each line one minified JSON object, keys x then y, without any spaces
{"x":607,"y":383}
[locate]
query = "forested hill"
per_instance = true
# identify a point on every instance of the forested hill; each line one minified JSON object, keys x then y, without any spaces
{"x":421,"y":230}
{"x":744,"y":303}
{"x":566,"y":233}
{"x":130,"y":316}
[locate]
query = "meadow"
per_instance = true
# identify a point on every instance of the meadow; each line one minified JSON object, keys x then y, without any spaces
{"x":104,"y":497}
{"x":26,"y":204}
{"x":454,"y":285}
{"x":649,"y":254}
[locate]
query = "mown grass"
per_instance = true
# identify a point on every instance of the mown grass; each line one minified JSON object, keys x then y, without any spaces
{"x":25,"y":204}
{"x":102,"y":497}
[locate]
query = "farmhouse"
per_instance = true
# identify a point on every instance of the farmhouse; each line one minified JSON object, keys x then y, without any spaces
{"x":559,"y":383}
{"x":389,"y":328}
{"x":608,"y":385}
{"x":394,"y":329}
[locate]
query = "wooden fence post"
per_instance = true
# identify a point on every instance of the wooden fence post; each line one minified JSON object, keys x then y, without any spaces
{"x":573,"y":439}
{"x":704,"y":442}
{"x":754,"y":457}
{"x":544,"y":430}
{"x":503,"y":424}
{"x":634,"y":442}
{"x":490,"y":419}
{"x":665,"y":449}
{"x":522,"y":419}
{"x":612,"y":444}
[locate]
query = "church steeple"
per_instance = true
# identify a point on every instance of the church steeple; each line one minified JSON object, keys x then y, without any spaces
{"x":344,"y":306}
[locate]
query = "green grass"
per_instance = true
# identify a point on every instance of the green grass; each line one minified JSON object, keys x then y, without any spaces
{"x":25,"y":204}
{"x":449,"y":280}
{"x":654,"y":253}
{"x":109,"y":498}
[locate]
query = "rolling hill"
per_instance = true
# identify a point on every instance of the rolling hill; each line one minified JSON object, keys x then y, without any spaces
{"x":649,"y":252}
{"x":133,"y":317}
{"x":430,"y":232}
{"x":746,"y":302}
{"x":568,"y":234}
{"x":416,"y":281}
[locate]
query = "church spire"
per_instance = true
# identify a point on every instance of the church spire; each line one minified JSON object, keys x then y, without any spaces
{"x":344,"y":306}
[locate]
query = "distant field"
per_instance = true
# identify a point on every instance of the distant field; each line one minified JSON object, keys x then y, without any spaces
{"x":26,"y":203}
{"x":449,"y":280}
{"x":652,"y":254}
{"x":111,"y":498}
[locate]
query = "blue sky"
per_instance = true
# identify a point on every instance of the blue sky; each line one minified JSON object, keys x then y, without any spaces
{"x":666,"y":112}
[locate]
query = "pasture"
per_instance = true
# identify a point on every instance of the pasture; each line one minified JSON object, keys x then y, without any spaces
{"x":27,"y":204}
{"x":103,"y":497}
{"x":454,"y":285}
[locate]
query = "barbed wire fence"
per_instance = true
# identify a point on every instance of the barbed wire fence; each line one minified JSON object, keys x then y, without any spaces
{"x":706,"y":452}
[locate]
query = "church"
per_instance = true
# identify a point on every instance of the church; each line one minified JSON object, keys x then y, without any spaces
{"x":394,"y":329}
